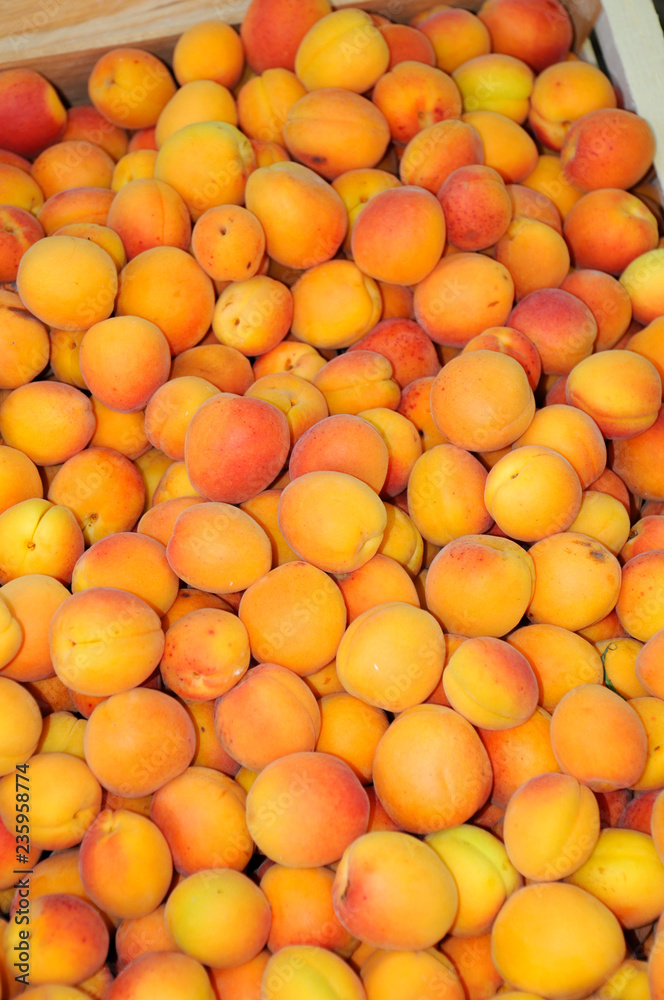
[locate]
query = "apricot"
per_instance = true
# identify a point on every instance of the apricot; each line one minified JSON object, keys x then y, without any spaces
{"x":297,"y":968}
{"x":22,"y":725}
{"x":84,"y":122}
{"x":324,"y":446}
{"x":129,"y":561}
{"x":526,"y":240}
{"x":573,"y":434}
{"x":295,"y":616}
{"x":67,"y":941}
{"x":628,"y":229}
{"x":271,"y":33}
{"x":170,"y":409}
{"x":152,"y":737}
{"x":135,"y":936}
{"x":75,"y":205}
{"x":351,"y":730}
{"x":124,"y":360}
{"x":193,"y":102}
{"x":342,"y":49}
{"x":284,"y":197}
{"x":532,"y":204}
{"x":536,"y":937}
{"x":480,"y":585}
{"x":410,"y":974}
{"x":223,"y":366}
{"x":195,"y":666}
{"x":263,"y":508}
{"x":19,"y":477}
{"x":72,"y":164}
{"x":170,"y":973}
{"x":560,"y":325}
{"x":641,"y":279}
{"x":216,"y":804}
{"x":147,"y":213}
{"x":413,"y":96}
{"x":639,"y":606}
{"x":445,"y":491}
{"x":619,"y":660}
{"x":235,"y":467}
{"x":545,"y":647}
{"x":564,"y":92}
{"x":463,"y":295}
{"x":541,"y":32}
{"x":28,"y":605}
{"x":219,"y":548}
{"x":495,"y":82}
{"x":353,"y":300}
{"x":406,"y":42}
{"x":19,"y":229}
{"x":490,"y":686}
{"x":302,"y":913}
{"x":264,"y":102}
{"x":208,"y":50}
{"x":67,"y":282}
{"x":493,"y":417}
{"x":507,"y":340}
{"x":305,"y":809}
{"x":207,"y":163}
{"x":551,"y":826}
{"x":547,"y":178}
{"x":39,"y":537}
{"x":104,"y":490}
{"x":371,"y":892}
{"x":477,"y":207}
{"x":508,"y":148}
{"x":253,"y":315}
{"x":435,"y":151}
{"x":380,"y":581}
{"x":595,"y":386}
{"x":134,"y":165}
{"x":27,"y":133}
{"x":130,"y":86}
{"x":228,"y":242}
{"x":65,"y":418}
{"x":607,"y":300}
{"x":636,"y":461}
{"x":608,"y":148}
{"x":19,"y":190}
{"x":456,"y":35}
{"x":405,"y":345}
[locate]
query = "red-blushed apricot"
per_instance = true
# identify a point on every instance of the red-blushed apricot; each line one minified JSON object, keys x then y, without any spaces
{"x":22,"y":725}
{"x":28,"y":605}
{"x":313,"y":515}
{"x":532,"y":492}
{"x":102,"y":488}
{"x":39,"y":537}
{"x":498,"y":403}
{"x":253,"y":315}
{"x":228,"y":242}
{"x":539,"y":32}
{"x":302,"y":913}
{"x":588,"y":751}
{"x":507,"y":340}
{"x":295,"y":616}
{"x":407,"y":43}
{"x":531,"y":204}
{"x":284,"y":197}
{"x":573,"y":434}
{"x":136,"y":936}
{"x":490,"y":683}
{"x":304,"y":809}
{"x":463,"y":295}
{"x":201,"y":814}
{"x":169,"y":973}
{"x":477,"y":207}
{"x":413,"y":96}
{"x":142,"y":139}
{"x":72,"y":164}
{"x":536,"y":936}
{"x":124,"y":360}
{"x":608,"y":148}
{"x":65,"y":798}
{"x":48,"y":421}
{"x":130,"y":86}
{"x":636,"y":461}
{"x":19,"y":229}
{"x":206,"y":652}
{"x":297,"y":969}
{"x":445,"y":491}
{"x":391,"y":656}
{"x":577,"y":581}
{"x":217,"y":547}
{"x":622,"y":395}
{"x":551,"y":826}
{"x":508,"y":148}
{"x":640,"y":604}
{"x":564,"y":92}
{"x":353,"y":305}
{"x":561,"y":326}
{"x":372,"y":896}
{"x":405,"y":345}
{"x":152,"y":737}
{"x":207,"y":163}
{"x":324,"y":55}
{"x":166,"y":286}
{"x":235,"y":446}
{"x":208,"y":50}
{"x":272,"y":41}
{"x":495,"y":82}
{"x":628,"y":229}
{"x":526,"y":240}
{"x":480,"y":585}
{"x":332,"y":130}
{"x":625,"y":873}
{"x":24,"y":343}
{"x":545,"y":646}
{"x":324,"y":446}
{"x":19,"y":478}
{"x":147,"y":213}
{"x":125,"y":863}
{"x":84,"y":204}
{"x":223,"y":366}
{"x":434,"y":152}
{"x":423,"y":797}
{"x":269,"y":714}
{"x":67,"y":282}
{"x":483,"y":873}
{"x":104,"y":640}
{"x":33,"y":115}
{"x":170,"y":409}
{"x":121,"y":432}
{"x":66,"y":942}
{"x":607,"y":300}
{"x":86,"y":123}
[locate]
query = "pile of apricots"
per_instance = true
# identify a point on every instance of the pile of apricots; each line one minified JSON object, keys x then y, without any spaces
{"x":332,"y":517}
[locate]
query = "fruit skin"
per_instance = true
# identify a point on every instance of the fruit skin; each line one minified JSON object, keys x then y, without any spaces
{"x":32,"y":116}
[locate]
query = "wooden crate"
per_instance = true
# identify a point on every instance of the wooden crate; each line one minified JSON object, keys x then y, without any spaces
{"x":64,"y":38}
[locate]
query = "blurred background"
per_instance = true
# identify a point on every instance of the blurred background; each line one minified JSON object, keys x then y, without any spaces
{"x":659,"y":7}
